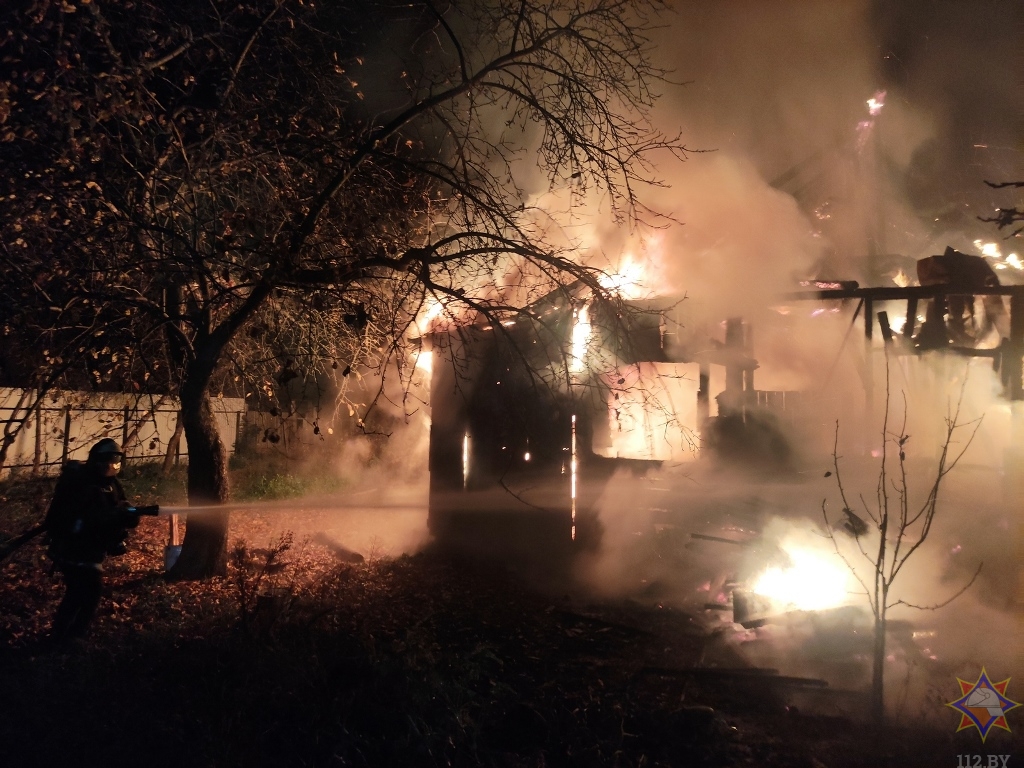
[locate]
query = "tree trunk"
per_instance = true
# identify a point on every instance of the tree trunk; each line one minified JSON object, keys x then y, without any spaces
{"x":204,"y":549}
{"x":13,"y":425}
{"x":37,"y":452}
{"x":878,"y":672}
{"x":172,"y":446}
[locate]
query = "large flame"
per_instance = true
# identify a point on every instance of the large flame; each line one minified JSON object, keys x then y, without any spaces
{"x":425,"y":360}
{"x":428,"y":314}
{"x":581,"y":331}
{"x":993,"y":251}
{"x":628,"y":280}
{"x":813,"y":580}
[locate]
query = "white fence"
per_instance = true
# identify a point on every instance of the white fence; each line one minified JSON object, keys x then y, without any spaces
{"x":64,"y":425}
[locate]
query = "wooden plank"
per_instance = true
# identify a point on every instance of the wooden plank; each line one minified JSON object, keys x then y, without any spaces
{"x":883,"y":323}
{"x":895,"y":293}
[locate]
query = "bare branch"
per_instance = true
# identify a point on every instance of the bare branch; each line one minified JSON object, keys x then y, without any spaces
{"x":944,"y":603}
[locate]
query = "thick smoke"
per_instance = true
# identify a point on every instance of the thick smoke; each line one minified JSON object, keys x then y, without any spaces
{"x":796,"y":176}
{"x":803,"y":182}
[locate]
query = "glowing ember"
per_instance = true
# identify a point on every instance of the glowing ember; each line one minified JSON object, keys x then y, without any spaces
{"x":811,"y":582}
{"x":864,"y":127}
{"x":876,"y":103}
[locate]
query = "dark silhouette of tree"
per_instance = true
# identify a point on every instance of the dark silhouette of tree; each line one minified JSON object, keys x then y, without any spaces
{"x":895,"y":527}
{"x":1006,"y":217}
{"x":208,"y":170}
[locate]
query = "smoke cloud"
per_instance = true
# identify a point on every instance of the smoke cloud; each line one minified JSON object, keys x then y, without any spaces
{"x":833,"y":140}
{"x":803,"y":181}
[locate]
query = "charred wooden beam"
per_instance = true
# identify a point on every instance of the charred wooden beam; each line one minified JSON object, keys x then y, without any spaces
{"x":895,"y":293}
{"x":883,"y":323}
{"x":704,"y":395}
{"x":911,"y":324}
{"x":869,"y":363}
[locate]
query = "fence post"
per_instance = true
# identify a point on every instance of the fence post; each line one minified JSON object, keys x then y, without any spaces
{"x":67,"y":434}
{"x":867,"y":427}
{"x":38,"y":453}
{"x":124,"y":429}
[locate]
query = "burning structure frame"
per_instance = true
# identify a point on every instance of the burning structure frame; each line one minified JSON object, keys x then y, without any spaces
{"x":518,"y":415}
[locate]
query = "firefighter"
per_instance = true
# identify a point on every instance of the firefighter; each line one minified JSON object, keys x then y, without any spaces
{"x":88,"y":519}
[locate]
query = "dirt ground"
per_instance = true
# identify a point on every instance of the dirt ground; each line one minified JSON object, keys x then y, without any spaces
{"x":303,"y":655}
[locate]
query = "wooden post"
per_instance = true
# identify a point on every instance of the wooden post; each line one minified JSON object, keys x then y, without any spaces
{"x":911,"y":324}
{"x":883,"y":323}
{"x":67,"y":435}
{"x":37,"y":454}
{"x":1014,"y":361}
{"x":173,"y":531}
{"x":124,"y":429}
{"x":869,"y":373}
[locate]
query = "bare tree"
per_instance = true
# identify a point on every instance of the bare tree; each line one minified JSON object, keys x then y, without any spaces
{"x":900,"y":527}
{"x":1006,"y":217}
{"x":204,"y":163}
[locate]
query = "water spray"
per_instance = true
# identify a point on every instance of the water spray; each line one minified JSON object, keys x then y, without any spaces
{"x":286,"y":505}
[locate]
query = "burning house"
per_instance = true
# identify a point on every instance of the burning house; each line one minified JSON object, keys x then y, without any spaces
{"x":533,"y":414}
{"x":522,"y":439}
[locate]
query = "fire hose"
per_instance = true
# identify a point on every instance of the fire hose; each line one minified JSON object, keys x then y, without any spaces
{"x":12,"y":546}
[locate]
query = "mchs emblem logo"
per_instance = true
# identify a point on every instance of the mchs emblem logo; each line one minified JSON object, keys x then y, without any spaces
{"x":983,"y":704}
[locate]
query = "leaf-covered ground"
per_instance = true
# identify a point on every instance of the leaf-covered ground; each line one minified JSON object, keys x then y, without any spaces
{"x":297,"y":658}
